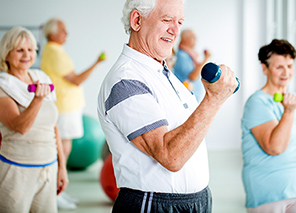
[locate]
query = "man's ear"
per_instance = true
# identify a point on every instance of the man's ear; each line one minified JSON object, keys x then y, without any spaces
{"x":51,"y":37}
{"x":135,"y":20}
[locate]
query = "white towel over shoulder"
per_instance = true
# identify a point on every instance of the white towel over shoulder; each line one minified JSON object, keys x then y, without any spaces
{"x":18,"y":90}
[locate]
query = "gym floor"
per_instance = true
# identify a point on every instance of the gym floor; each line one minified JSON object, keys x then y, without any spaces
{"x":225,"y":184}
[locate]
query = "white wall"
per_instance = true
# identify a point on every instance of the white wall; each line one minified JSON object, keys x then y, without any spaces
{"x":93,"y":26}
{"x":218,"y":25}
{"x":230,"y":29}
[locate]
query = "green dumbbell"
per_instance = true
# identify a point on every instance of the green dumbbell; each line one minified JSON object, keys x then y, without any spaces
{"x":278,"y":97}
{"x":102,"y":56}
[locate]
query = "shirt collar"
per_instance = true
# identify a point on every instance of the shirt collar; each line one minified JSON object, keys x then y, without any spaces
{"x":142,"y":58}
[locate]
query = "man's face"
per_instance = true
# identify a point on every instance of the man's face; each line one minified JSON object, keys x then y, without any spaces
{"x":192,"y":40}
{"x":159,"y":31}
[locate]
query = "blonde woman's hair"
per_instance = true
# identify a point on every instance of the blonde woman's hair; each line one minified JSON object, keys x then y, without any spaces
{"x":12,"y":38}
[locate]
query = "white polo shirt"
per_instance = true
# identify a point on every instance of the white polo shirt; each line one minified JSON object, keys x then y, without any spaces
{"x":136,"y":97}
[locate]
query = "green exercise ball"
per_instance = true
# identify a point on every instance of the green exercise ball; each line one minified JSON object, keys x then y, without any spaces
{"x":86,"y":150}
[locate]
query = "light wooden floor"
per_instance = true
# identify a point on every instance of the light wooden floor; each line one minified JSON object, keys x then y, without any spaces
{"x":225,"y":184}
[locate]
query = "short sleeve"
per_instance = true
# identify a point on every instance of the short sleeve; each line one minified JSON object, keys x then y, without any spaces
{"x":58,"y":61}
{"x":3,"y":94}
{"x":134,"y":110}
{"x":258,"y":110}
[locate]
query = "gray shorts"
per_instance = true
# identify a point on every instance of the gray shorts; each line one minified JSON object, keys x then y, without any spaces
{"x":129,"y":200}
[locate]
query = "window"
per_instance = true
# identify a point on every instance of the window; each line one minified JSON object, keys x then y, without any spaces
{"x":281,"y":20}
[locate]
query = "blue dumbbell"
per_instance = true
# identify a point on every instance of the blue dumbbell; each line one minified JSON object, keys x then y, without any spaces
{"x":212,"y":72}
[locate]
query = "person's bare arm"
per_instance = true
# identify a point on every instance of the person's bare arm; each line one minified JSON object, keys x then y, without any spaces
{"x":11,"y":117}
{"x":198,"y":66}
{"x":78,"y":79}
{"x":274,"y":136}
{"x":173,"y":148}
{"x":62,"y":178}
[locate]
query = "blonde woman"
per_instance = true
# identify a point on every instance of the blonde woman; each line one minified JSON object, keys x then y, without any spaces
{"x":32,"y":164}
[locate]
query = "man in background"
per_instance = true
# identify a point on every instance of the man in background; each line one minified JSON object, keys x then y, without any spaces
{"x":188,"y":67}
{"x":70,"y":98}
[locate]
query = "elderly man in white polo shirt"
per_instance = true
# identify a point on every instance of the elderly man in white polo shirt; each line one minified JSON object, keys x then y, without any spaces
{"x":154,"y":126}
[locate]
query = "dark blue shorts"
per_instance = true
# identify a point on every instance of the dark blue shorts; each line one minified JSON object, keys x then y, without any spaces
{"x":134,"y":201}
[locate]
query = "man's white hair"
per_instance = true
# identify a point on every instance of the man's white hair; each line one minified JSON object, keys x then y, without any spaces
{"x":145,"y":7}
{"x":51,"y":27}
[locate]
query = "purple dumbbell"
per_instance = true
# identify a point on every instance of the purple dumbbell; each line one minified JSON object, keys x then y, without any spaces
{"x":32,"y":87}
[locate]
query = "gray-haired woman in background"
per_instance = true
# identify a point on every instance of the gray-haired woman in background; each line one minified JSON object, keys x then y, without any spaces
{"x":269,"y":135}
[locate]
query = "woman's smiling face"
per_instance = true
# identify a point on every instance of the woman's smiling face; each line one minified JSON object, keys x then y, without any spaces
{"x":280,"y":70}
{"x":22,"y":57}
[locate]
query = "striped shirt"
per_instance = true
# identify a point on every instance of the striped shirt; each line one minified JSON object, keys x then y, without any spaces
{"x":138,"y":95}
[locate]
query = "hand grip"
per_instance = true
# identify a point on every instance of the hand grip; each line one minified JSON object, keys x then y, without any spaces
{"x":212,"y":72}
{"x":32,"y":87}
